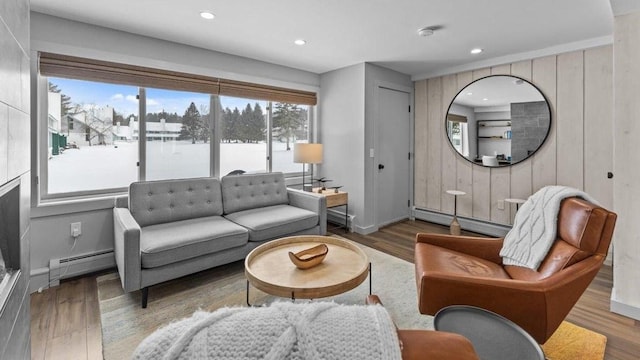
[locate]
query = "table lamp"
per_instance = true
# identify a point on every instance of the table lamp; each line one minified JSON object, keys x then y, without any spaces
{"x":307,"y":154}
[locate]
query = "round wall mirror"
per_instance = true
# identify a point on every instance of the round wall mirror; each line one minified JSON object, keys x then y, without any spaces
{"x":498,"y":120}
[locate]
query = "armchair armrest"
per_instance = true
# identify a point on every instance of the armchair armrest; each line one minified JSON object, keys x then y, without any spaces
{"x":127,"y":248}
{"x":311,"y":202}
{"x":484,"y":248}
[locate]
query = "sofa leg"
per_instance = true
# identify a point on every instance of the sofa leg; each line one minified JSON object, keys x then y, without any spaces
{"x":145,"y":296}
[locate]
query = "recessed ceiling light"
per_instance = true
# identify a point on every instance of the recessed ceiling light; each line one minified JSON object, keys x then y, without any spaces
{"x":300,"y":42}
{"x":469,"y":93}
{"x":207,"y":15}
{"x":476,"y":51}
{"x":485,"y":99}
{"x":426,"y":31}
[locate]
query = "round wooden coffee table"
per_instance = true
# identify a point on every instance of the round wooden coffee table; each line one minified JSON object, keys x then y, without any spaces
{"x":268,"y":268}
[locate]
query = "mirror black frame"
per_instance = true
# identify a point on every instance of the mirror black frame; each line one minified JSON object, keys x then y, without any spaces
{"x":529,"y":155}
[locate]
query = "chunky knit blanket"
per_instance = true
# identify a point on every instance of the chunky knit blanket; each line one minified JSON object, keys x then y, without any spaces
{"x":319,"y":330}
{"x":535,"y":226}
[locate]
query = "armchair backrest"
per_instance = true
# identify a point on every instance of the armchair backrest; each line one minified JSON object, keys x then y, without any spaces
{"x":584,"y":230}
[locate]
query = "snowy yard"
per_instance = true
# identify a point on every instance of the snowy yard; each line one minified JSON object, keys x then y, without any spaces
{"x":104,"y":167}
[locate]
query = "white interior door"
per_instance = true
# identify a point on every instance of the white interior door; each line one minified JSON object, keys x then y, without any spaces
{"x":393,"y":148}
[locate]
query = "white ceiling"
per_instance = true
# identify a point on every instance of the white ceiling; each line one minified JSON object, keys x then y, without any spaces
{"x":340,"y":33}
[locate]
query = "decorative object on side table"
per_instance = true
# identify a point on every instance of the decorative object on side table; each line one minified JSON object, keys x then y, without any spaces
{"x":454,"y":227}
{"x":310,"y":257}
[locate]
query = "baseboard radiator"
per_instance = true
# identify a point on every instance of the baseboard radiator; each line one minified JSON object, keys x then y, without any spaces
{"x":81,"y":264}
{"x":469,"y":224}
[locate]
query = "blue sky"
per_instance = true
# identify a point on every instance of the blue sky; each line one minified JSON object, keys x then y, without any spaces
{"x":123,"y":97}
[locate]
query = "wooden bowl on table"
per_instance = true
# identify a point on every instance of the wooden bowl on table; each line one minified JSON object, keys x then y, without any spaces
{"x":309,"y":258}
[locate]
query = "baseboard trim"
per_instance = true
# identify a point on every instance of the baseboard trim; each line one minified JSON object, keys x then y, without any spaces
{"x":469,"y":224}
{"x":38,"y":279}
{"x":624,"y":309}
{"x":365,"y":230}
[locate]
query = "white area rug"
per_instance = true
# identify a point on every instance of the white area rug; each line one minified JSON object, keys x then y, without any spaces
{"x":125,"y":323}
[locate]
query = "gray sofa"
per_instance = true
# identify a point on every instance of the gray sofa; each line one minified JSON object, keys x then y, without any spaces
{"x":170,"y":228}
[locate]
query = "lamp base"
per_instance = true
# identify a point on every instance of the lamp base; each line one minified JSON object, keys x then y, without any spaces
{"x":308,"y":188}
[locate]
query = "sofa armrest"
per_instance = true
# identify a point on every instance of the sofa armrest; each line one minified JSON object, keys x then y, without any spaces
{"x":484,"y":248}
{"x":312,"y":202}
{"x":121,"y":201}
{"x":127,"y":249}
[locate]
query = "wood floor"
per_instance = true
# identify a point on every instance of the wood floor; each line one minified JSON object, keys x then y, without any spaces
{"x":65,"y":320}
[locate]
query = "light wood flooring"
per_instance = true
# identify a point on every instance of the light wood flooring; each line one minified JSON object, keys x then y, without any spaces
{"x":65,"y":320}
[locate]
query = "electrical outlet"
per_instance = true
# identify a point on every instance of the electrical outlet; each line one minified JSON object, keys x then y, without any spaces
{"x":76,"y":229}
{"x":500,"y":204}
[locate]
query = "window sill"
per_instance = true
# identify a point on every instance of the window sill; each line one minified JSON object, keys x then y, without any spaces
{"x":68,"y":206}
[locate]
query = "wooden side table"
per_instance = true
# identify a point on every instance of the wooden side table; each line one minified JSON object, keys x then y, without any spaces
{"x":335,"y":199}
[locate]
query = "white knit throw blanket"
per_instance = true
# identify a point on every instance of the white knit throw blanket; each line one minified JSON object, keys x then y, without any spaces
{"x":319,"y":330}
{"x":535,"y":226}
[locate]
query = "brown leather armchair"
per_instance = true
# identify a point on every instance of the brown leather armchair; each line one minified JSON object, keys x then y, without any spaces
{"x":462,"y":270}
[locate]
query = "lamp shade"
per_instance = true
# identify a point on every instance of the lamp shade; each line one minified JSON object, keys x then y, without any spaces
{"x":307,"y":153}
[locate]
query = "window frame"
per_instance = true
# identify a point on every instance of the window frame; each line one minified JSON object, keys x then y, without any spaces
{"x":214,"y":144}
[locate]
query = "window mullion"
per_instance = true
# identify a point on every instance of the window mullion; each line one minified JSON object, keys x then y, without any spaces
{"x":216,"y":118}
{"x":142,"y":131}
{"x":269,"y":138}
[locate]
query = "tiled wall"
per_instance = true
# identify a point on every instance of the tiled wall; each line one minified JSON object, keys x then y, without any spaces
{"x":15,"y":163}
{"x":529,"y":126}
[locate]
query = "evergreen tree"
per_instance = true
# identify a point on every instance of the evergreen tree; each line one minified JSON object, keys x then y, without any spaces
{"x":191,"y":123}
{"x":289,"y":118}
{"x":65,"y":100}
{"x":227,"y":125}
{"x":258,"y":124}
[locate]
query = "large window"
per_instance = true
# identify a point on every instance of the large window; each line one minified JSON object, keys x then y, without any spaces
{"x":103,"y":135}
{"x":178,"y":134}
{"x":89,"y":142}
{"x":243,"y":139}
{"x":290,"y":125}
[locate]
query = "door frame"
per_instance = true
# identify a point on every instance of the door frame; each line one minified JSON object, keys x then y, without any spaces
{"x":376,"y":130}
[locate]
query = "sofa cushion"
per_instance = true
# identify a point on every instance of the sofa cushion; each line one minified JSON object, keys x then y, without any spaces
{"x":157,"y":202}
{"x":242,"y":192}
{"x":168,"y":243}
{"x":274,"y":221}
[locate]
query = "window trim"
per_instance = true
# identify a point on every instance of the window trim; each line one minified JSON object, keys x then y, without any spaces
{"x":214,"y":166}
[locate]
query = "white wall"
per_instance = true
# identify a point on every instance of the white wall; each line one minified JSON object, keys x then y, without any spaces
{"x":53,"y":34}
{"x":341,"y":122}
{"x":625,"y":296}
{"x":347,"y":120}
{"x":51,"y":221}
{"x":376,"y":76}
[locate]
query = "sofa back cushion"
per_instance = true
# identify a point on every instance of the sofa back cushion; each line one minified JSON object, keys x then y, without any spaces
{"x":242,"y":192}
{"x":158,"y":202}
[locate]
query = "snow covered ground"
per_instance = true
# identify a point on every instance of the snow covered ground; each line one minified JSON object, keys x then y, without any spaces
{"x":104,"y":167}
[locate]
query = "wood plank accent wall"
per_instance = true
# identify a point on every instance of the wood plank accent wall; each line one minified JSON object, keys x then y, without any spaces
{"x":578,"y":151}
